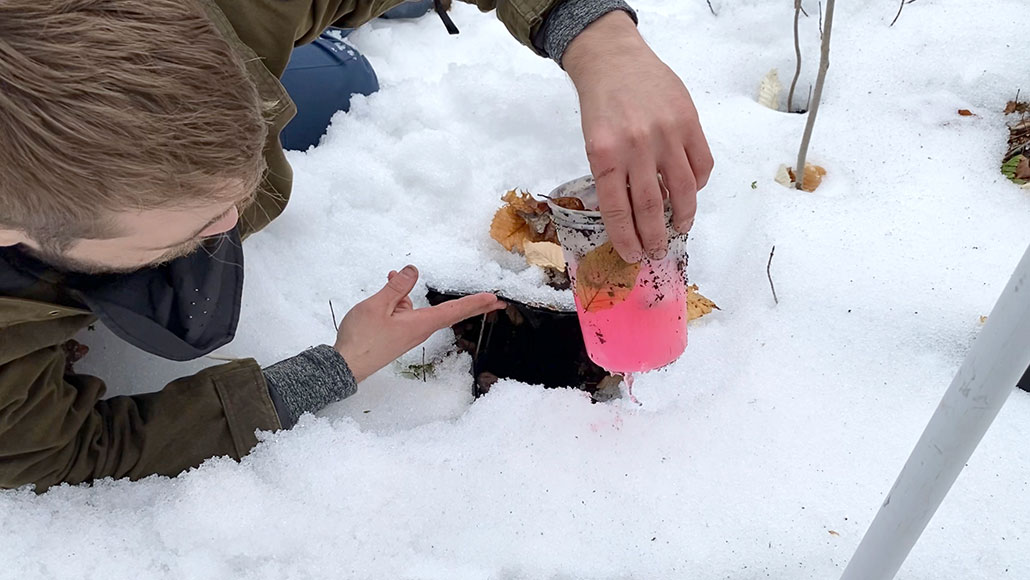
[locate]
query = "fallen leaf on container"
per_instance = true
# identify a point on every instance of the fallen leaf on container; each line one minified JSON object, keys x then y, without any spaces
{"x":983,"y":319}
{"x":545,"y":255}
{"x":569,"y":203}
{"x":538,"y":223}
{"x":769,"y":90}
{"x":521,"y":219}
{"x":510,"y":230}
{"x":698,"y":305}
{"x":604,"y":279}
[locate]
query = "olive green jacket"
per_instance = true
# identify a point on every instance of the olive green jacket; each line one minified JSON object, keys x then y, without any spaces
{"x":54,"y":425}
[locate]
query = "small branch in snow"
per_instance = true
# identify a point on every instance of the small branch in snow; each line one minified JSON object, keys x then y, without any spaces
{"x":479,"y":342}
{"x":711,"y":8}
{"x":768,"y":272}
{"x":900,"y":7}
{"x":797,"y":53}
{"x":820,"y":21}
{"x":333,"y":312}
{"x":824,"y":64}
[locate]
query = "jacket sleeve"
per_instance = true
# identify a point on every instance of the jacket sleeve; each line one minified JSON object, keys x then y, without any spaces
{"x":272,"y":28}
{"x":55,"y":428}
{"x":523,"y":18}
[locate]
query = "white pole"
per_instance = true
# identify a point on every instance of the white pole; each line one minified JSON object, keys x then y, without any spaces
{"x":990,"y":372}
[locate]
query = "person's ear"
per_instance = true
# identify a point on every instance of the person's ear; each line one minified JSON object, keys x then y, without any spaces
{"x":11,"y":237}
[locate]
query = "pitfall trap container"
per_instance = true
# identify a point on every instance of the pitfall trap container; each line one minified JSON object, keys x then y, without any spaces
{"x":633,"y":316}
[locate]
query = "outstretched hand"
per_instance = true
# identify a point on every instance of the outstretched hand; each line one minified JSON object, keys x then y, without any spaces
{"x":385,"y":326}
{"x":639,"y":122}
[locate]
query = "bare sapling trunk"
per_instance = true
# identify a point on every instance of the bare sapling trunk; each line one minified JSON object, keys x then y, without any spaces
{"x":824,"y":64}
{"x":797,"y":53}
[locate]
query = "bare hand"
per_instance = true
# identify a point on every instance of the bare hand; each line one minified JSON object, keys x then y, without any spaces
{"x":638,"y":122}
{"x":380,"y":329}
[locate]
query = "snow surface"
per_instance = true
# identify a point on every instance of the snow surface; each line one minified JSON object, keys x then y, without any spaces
{"x":763,"y":453}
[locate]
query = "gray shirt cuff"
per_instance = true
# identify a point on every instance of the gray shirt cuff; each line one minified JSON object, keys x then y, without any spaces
{"x":308,"y":382}
{"x":568,"y":19}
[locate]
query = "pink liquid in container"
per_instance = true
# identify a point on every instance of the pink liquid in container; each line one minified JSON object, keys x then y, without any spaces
{"x":633,"y":316}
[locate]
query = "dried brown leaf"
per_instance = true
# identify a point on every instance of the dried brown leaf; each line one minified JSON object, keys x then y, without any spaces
{"x":1016,"y":107}
{"x":785,"y":176}
{"x":813,"y":176}
{"x":698,"y":305}
{"x":521,"y":219}
{"x":573,"y":203}
{"x":833,"y":533}
{"x":604,"y":279}
{"x":966,"y":113}
{"x":510,"y":230}
{"x":525,"y":202}
{"x":1023,"y":169}
{"x":545,"y":255}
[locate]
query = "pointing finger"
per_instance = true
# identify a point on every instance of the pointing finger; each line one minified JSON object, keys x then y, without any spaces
{"x":454,"y":311}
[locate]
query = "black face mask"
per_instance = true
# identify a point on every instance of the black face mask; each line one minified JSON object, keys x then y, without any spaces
{"x":180,"y":310}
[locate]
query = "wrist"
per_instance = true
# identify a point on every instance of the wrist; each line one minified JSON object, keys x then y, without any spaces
{"x":614,"y":34}
{"x":356,"y":359}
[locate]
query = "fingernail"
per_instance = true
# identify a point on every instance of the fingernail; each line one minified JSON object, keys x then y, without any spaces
{"x":659,"y":254}
{"x":409,"y":271}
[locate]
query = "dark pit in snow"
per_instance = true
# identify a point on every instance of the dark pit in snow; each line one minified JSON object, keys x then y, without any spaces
{"x":530,"y":344}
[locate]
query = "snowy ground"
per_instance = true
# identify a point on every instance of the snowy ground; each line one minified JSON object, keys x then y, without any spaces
{"x":763,"y":453}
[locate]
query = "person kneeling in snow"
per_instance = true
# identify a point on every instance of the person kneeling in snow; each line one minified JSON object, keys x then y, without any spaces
{"x":139,"y":145}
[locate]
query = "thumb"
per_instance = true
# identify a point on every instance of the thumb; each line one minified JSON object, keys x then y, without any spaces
{"x":398,"y":288}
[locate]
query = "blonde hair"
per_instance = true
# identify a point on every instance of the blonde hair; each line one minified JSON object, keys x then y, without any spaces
{"x":116,"y":105}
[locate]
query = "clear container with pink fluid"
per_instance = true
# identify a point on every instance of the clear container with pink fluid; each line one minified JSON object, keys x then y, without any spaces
{"x":633,"y":317}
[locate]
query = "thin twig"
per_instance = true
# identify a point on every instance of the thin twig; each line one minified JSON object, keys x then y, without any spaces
{"x":820,"y":21}
{"x":768,"y":272}
{"x":479,"y":342}
{"x":900,"y":7}
{"x":898,"y":15}
{"x":803,"y":12}
{"x":797,"y":53}
{"x":712,"y":9}
{"x":333,"y":312}
{"x":824,"y":65}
